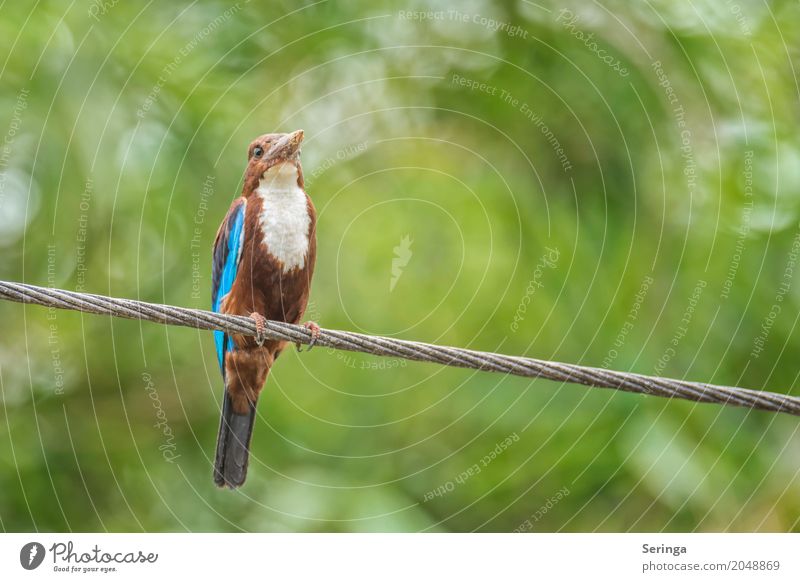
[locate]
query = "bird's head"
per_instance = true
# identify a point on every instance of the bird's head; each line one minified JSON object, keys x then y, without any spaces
{"x":273,"y":154}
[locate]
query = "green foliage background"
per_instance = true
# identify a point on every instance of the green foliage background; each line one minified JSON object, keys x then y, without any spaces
{"x":115,"y":115}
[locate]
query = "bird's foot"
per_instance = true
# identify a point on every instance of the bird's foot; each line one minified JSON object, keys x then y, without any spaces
{"x":261,"y":327}
{"x":315,"y":331}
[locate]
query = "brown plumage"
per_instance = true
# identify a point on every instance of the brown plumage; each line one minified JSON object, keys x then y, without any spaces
{"x":265,"y":271}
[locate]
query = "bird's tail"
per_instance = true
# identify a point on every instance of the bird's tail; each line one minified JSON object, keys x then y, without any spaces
{"x":233,"y":444}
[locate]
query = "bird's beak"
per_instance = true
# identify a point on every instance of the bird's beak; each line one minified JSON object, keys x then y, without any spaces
{"x":286,"y":147}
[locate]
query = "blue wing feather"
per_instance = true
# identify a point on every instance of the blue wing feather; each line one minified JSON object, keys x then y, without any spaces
{"x":227,"y":253}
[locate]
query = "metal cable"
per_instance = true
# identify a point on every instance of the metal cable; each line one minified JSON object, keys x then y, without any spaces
{"x":410,"y":350}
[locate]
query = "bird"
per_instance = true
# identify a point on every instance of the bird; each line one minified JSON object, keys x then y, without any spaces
{"x":263,"y":262}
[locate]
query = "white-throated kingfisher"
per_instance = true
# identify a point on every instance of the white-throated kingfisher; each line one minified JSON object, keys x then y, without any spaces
{"x":264,"y":257}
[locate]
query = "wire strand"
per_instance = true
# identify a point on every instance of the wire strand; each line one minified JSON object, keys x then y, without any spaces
{"x":410,"y":350}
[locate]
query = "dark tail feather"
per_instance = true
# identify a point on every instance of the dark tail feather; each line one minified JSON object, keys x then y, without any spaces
{"x":233,"y":445}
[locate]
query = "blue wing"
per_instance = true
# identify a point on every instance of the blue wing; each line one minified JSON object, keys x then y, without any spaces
{"x":227,"y":254}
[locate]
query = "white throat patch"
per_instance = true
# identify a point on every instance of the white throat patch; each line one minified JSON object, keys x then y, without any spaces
{"x":284,"y":216}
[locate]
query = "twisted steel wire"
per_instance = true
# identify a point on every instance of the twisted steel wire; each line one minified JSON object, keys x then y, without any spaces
{"x":410,"y":350}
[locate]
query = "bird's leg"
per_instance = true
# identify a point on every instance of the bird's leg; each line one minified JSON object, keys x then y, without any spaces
{"x":261,"y":327}
{"x":315,"y":331}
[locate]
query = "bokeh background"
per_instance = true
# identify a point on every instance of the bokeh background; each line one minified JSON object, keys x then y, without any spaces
{"x":606,"y":183}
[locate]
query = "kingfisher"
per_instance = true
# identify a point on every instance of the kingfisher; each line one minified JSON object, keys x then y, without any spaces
{"x":263,"y":261}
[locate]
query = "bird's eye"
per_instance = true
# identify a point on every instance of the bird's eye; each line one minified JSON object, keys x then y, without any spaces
{"x":258,"y":151}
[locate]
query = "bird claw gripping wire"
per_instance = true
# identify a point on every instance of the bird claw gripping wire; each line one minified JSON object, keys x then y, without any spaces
{"x":315,"y":333}
{"x":261,"y":327}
